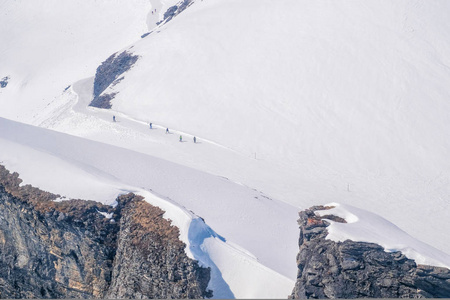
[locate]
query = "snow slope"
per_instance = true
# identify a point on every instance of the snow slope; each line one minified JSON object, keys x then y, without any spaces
{"x":258,"y":237}
{"x":333,"y":111}
{"x":258,"y":231}
{"x":294,"y":103}
{"x":47,"y":45}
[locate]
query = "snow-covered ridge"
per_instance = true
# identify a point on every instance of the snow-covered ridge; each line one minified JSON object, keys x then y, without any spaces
{"x":361,"y":117}
{"x":83,"y":169}
{"x":291,"y":104}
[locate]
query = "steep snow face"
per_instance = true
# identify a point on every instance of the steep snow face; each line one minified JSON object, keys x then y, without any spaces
{"x":345,"y":101}
{"x":47,"y":45}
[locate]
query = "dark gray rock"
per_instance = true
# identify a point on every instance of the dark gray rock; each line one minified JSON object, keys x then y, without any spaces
{"x":108,"y":73}
{"x":69,"y":250}
{"x":349,"y":269}
{"x":103,"y":101}
{"x":146,"y":34}
{"x":175,"y":10}
{"x":4,"y":82}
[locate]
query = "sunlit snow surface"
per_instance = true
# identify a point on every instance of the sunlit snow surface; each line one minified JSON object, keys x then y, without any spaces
{"x":293,"y":103}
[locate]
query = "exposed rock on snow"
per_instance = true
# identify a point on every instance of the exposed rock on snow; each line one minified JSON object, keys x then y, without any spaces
{"x":4,"y":82}
{"x":103,"y":101}
{"x":175,"y":10}
{"x":328,"y":269}
{"x":68,"y":250}
{"x":108,"y":73}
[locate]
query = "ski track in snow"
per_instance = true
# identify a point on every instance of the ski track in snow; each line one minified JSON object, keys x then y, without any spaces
{"x":83,"y":91}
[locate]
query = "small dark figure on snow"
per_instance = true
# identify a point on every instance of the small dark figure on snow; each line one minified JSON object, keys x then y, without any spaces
{"x":167,"y":130}
{"x":114,"y":118}
{"x":181,"y":138}
{"x":195,"y":140}
{"x":150,"y":125}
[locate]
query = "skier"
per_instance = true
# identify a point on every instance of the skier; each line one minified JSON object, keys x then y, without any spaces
{"x":181,"y":138}
{"x":150,"y":125}
{"x":195,"y":140}
{"x":114,"y":118}
{"x":167,"y":130}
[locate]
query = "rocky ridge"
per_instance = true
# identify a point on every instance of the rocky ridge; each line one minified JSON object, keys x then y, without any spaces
{"x":68,"y":249}
{"x":108,"y":73}
{"x":328,"y":269}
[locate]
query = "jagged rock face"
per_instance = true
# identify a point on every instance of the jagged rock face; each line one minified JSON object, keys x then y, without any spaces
{"x":349,"y":269}
{"x":108,"y":73}
{"x":69,"y":250}
{"x":143,"y":272}
{"x":51,"y":255}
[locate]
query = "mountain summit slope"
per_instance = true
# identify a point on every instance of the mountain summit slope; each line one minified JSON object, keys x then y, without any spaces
{"x":342,"y":101}
{"x":292,"y":104}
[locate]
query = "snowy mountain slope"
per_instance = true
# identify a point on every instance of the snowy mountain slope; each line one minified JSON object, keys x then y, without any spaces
{"x":47,"y":45}
{"x":333,"y":111}
{"x":78,"y":167}
{"x":259,"y":235}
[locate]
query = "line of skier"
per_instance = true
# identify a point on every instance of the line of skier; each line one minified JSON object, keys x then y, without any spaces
{"x":167,"y":131}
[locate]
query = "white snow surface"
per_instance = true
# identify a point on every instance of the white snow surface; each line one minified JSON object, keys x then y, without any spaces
{"x":47,"y":45}
{"x":331,"y":111}
{"x":106,"y":215}
{"x":293,"y":103}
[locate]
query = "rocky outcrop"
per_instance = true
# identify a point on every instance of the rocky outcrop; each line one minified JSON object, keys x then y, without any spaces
{"x":4,"y":82}
{"x":141,"y":270}
{"x":349,"y":269}
{"x":108,"y":73}
{"x":175,"y":10}
{"x":68,"y":249}
{"x":171,"y":12}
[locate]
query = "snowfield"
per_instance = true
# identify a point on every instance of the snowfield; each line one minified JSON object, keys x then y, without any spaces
{"x":292,"y":103}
